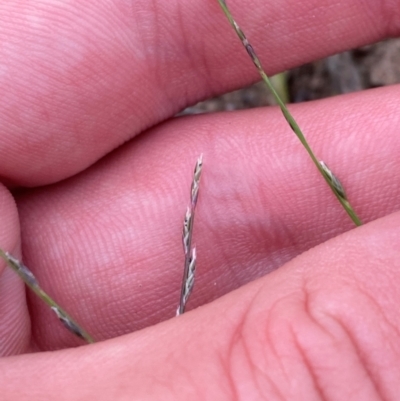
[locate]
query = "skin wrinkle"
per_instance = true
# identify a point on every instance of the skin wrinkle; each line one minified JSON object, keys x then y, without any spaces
{"x":320,"y":392}
{"x":240,"y":337}
{"x":308,"y":309}
{"x":366,"y":362}
{"x":363,"y":363}
{"x":260,"y":377}
{"x":386,"y":320}
{"x":307,"y":361}
{"x":272,"y":350}
{"x":361,"y":287}
{"x":233,"y":392}
{"x":312,"y":371}
{"x":237,"y":343}
{"x":302,"y":350}
{"x":276,"y":306}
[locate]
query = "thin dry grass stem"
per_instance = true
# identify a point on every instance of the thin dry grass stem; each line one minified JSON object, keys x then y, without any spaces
{"x":190,"y":253}
{"x":289,"y":118}
{"x":27,"y":276}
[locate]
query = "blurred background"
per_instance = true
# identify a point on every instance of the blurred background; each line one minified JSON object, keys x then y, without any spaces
{"x":366,"y":67}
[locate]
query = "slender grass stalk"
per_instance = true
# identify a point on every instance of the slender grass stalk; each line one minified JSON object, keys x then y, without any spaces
{"x":326,"y":173}
{"x":190,"y":253}
{"x":27,"y":276}
{"x":280,"y":83}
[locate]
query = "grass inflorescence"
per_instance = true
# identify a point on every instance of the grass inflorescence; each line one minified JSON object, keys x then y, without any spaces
{"x":190,"y":253}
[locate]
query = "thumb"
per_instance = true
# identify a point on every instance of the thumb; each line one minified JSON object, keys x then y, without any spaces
{"x":324,"y":326}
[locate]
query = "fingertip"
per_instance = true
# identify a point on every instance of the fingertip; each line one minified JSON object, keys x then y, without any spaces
{"x":9,"y":227}
{"x":14,"y":318}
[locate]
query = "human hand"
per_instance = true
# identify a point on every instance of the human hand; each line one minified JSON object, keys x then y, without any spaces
{"x":78,"y":79}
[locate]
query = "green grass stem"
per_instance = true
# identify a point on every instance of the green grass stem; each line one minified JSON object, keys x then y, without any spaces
{"x":329,"y":177}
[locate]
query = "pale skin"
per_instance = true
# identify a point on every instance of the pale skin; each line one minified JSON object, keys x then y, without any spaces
{"x":80,"y":79}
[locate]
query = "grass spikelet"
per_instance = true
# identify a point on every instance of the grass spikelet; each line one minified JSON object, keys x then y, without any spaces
{"x":190,"y":253}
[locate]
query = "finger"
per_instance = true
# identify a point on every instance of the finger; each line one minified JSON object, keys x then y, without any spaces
{"x":325,"y":326}
{"x":14,"y":318}
{"x":80,"y":78}
{"x":108,"y":242}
